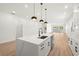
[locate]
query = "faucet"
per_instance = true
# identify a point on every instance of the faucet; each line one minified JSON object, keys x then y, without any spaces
{"x":40,"y":32}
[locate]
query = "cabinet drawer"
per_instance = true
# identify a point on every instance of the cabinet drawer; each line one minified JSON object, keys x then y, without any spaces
{"x":42,"y":49}
{"x":42,"y":46}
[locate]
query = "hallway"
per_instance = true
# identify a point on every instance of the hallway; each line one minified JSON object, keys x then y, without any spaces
{"x":60,"y":47}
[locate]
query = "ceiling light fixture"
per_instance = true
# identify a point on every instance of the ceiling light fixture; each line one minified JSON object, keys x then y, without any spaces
{"x":45,"y":16}
{"x":45,"y":22}
{"x":41,"y":13}
{"x":13,"y":12}
{"x":26,"y":6}
{"x":75,"y":10}
{"x":27,"y":16}
{"x":66,"y":6}
{"x":76,"y":27}
{"x":34,"y":17}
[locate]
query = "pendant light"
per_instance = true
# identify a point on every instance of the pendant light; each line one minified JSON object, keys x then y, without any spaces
{"x":34,"y":17}
{"x":45,"y":22}
{"x":41,"y":13}
{"x":45,"y":16}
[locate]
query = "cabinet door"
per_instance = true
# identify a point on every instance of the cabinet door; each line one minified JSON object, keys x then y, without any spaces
{"x":42,"y":49}
{"x":19,"y":46}
{"x":29,"y":49}
{"x":45,"y":47}
{"x":48,"y":46}
{"x":76,"y":48}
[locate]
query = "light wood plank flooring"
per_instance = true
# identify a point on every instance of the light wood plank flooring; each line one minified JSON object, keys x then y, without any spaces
{"x":8,"y":49}
{"x":61,"y":47}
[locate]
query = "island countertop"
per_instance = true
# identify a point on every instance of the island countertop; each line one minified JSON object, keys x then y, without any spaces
{"x":34,"y":39}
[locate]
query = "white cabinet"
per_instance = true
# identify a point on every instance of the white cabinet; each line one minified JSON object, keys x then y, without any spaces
{"x":42,"y":49}
{"x":31,"y":49}
{"x":74,"y":45}
{"x":19,"y":46}
{"x":45,"y":47}
{"x":48,"y":45}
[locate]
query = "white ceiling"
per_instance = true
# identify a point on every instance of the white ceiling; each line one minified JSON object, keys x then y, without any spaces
{"x":56,"y":12}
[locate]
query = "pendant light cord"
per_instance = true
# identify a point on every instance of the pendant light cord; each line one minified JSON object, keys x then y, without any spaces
{"x":34,"y":9}
{"x":41,"y":9}
{"x":46,"y":13}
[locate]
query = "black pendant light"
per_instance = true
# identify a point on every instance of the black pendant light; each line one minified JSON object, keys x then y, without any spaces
{"x":45,"y":15}
{"x":41,"y":13}
{"x":34,"y":17}
{"x":41,"y":20}
{"x":45,"y":22}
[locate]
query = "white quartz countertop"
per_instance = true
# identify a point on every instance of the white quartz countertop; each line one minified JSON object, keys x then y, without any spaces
{"x":33,"y":39}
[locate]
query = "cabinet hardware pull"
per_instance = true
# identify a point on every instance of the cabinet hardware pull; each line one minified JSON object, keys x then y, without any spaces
{"x":48,"y":43}
{"x":76,"y":49}
{"x":42,"y":48}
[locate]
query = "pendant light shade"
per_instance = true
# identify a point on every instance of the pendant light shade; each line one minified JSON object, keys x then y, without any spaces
{"x":34,"y":17}
{"x":45,"y":22}
{"x":41,"y":20}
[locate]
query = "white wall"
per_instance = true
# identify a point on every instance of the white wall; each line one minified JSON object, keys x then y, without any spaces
{"x":7,"y":27}
{"x":30,"y":28}
{"x":12,"y":27}
{"x":19,"y":27}
{"x":68,"y":26}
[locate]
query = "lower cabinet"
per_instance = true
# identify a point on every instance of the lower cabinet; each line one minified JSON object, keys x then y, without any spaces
{"x":76,"y":48}
{"x":74,"y":45}
{"x":30,"y":49}
{"x":45,"y":47}
{"x":19,"y":46}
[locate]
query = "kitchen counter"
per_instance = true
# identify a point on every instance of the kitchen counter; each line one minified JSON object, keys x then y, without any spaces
{"x":33,"y":39}
{"x":33,"y":46}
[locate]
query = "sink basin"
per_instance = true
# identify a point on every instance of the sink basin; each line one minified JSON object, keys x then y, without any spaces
{"x":43,"y":37}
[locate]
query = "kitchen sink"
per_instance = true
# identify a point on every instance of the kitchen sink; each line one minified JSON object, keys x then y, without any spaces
{"x":43,"y":37}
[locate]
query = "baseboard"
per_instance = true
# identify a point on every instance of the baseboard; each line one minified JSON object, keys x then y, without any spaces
{"x":6,"y":41}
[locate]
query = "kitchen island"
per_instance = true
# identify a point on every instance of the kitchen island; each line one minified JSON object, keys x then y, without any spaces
{"x":33,"y":46}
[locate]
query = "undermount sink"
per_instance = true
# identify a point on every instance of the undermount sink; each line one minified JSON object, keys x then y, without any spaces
{"x":43,"y":37}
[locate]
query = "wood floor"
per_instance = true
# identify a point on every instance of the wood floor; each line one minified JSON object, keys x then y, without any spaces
{"x":60,"y":47}
{"x":8,"y":49}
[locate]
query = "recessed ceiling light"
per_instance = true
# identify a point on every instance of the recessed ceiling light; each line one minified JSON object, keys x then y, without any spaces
{"x":13,"y":12}
{"x":64,"y":13}
{"x":26,"y":6}
{"x":27,"y":16}
{"x":66,"y":6}
{"x":76,"y":27}
{"x":75,"y":10}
